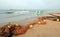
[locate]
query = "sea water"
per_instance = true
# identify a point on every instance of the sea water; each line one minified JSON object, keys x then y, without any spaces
{"x":17,"y":15}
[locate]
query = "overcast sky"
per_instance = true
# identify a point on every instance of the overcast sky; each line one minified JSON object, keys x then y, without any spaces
{"x":29,"y":4}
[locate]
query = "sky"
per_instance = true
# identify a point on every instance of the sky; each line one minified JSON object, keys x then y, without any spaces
{"x":29,"y":4}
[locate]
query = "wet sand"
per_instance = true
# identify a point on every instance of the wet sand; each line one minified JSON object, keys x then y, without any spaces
{"x":21,"y":21}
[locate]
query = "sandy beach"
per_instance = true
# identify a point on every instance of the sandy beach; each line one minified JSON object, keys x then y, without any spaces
{"x":51,"y":29}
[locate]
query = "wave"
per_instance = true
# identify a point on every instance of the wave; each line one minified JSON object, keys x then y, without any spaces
{"x":21,"y":12}
{"x":15,"y":12}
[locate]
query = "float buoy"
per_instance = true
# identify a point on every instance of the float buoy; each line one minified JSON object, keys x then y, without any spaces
{"x":30,"y":26}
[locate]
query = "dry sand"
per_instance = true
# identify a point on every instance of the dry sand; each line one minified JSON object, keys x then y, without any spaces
{"x":51,"y":29}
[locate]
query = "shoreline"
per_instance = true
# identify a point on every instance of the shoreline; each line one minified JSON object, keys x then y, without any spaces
{"x":21,"y":21}
{"x":50,"y":29}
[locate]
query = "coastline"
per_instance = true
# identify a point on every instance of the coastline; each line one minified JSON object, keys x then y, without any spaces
{"x":50,"y":29}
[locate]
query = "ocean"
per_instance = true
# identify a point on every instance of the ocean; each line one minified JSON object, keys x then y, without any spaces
{"x":16,"y":15}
